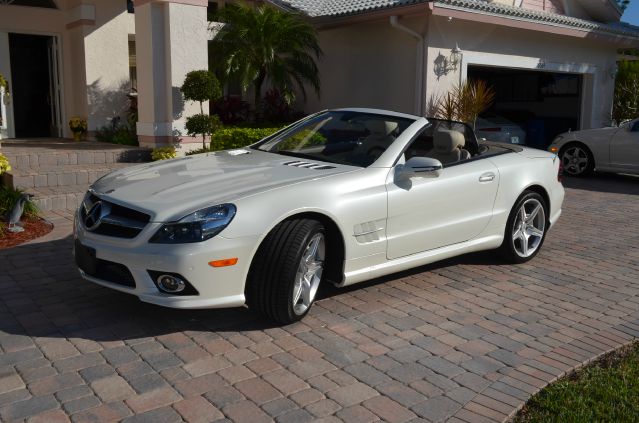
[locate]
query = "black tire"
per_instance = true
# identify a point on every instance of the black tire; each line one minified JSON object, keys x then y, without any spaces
{"x":271,"y":279}
{"x":572,"y":169}
{"x":510,"y":246}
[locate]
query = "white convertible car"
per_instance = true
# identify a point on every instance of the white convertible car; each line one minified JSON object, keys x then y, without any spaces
{"x":612,"y":149}
{"x":339,"y":197}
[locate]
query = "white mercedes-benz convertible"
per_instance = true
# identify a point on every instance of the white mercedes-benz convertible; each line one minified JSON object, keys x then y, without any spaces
{"x":342,"y":196}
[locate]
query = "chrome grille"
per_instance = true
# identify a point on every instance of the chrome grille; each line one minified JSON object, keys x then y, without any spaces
{"x":120,"y":222}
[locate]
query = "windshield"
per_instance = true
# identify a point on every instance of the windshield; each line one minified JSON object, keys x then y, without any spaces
{"x":342,"y":137}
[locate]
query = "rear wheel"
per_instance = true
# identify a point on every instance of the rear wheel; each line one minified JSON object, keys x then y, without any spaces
{"x":526,"y":228}
{"x":577,"y":160}
{"x":287,"y":270}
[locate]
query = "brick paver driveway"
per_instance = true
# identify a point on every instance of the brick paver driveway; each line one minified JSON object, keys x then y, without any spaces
{"x":467,"y":340}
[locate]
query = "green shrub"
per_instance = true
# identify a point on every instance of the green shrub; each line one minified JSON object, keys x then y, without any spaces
{"x":8,"y":198}
{"x":202,"y":124}
{"x":163,"y":153}
{"x":118,"y":133}
{"x":201,"y":86}
{"x":235,"y":137}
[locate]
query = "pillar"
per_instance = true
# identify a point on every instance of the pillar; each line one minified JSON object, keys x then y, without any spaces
{"x":171,"y":40}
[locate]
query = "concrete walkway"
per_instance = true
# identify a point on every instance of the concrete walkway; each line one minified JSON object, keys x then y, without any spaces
{"x":469,"y":339}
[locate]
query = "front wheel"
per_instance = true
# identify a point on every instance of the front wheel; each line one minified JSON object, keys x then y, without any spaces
{"x":287,"y":270}
{"x":526,"y":228}
{"x":577,"y":160}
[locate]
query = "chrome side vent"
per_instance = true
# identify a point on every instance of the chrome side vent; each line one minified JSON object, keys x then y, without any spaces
{"x":308,"y":165}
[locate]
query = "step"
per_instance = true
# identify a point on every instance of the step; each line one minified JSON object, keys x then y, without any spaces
{"x":26,"y":154}
{"x":25,"y":160}
{"x":53,"y":176}
{"x":66,"y":197}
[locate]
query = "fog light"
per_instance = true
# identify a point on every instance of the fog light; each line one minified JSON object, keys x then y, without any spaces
{"x":170,"y":284}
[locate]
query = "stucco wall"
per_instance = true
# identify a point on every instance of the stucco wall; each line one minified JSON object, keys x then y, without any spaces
{"x":493,"y":45}
{"x":366,"y":65}
{"x":106,"y":47}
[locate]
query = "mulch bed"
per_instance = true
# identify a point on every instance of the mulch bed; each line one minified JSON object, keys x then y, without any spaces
{"x":33,"y":228}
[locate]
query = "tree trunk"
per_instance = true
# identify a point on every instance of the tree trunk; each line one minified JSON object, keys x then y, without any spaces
{"x":259,"y":81}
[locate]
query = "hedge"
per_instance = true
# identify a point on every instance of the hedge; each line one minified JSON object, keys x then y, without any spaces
{"x":235,"y":137}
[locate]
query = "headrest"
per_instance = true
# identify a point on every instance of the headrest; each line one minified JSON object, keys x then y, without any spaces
{"x":380,"y":127}
{"x":446,"y":141}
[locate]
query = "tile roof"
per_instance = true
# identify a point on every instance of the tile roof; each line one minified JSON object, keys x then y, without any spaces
{"x":338,"y":8}
{"x":317,"y":8}
{"x":482,"y":6}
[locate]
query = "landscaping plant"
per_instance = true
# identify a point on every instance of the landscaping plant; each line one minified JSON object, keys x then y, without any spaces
{"x":625,"y":104}
{"x":201,"y":86}
{"x":163,"y":153}
{"x":5,"y":166}
{"x":78,"y":126}
{"x":9,"y":197}
{"x":463,"y":103}
{"x":259,"y":44}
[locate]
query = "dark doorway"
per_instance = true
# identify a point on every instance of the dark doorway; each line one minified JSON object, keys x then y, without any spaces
{"x":31,"y":83}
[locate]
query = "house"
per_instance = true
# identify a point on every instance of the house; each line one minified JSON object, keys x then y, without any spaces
{"x":552,"y":62}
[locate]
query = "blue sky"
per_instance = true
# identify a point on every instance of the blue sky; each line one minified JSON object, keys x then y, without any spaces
{"x":631,"y":15}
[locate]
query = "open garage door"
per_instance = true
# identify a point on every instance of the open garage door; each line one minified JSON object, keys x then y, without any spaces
{"x":531,"y":107}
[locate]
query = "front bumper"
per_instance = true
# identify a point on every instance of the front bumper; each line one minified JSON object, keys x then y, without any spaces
{"x":217,"y":287}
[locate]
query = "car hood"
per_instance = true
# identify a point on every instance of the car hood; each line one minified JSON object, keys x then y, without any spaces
{"x":589,"y":133}
{"x":171,"y":189}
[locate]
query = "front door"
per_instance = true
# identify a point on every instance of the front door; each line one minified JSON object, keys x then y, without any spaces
{"x":31,"y":92}
{"x":55,"y":95}
{"x":428,"y":213}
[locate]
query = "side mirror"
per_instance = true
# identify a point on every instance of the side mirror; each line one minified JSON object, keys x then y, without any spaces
{"x":424,"y":167}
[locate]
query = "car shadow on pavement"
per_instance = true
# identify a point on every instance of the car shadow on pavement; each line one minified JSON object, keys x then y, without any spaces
{"x":605,"y":182}
{"x":488,"y":258}
{"x":44,"y":295}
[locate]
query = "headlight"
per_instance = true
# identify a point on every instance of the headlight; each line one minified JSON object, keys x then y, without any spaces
{"x":196,"y":227}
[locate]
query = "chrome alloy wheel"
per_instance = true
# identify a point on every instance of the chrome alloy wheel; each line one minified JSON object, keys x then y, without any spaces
{"x":529,"y":227}
{"x":575,"y":160}
{"x":309,"y":274}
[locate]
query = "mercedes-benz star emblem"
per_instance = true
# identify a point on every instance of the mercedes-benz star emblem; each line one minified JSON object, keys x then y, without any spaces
{"x":96,"y":213}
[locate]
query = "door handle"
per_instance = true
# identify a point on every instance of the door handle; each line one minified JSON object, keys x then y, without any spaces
{"x":487,"y":177}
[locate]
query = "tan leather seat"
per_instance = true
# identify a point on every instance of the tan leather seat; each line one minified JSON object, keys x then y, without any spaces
{"x":379,"y":139}
{"x":448,"y":147}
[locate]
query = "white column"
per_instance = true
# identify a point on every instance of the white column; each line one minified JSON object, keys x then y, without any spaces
{"x":171,"y":40}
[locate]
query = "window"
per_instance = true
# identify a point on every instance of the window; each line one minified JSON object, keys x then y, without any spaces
{"x":133,"y":70}
{"x":129,"y":6}
{"x":343,"y":137}
{"x":448,"y":142}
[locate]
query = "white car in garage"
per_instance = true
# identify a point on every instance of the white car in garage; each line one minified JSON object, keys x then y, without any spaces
{"x":497,"y":128}
{"x":340,"y":197}
{"x":612,"y":149}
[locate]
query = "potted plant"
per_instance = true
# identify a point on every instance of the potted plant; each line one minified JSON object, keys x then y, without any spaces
{"x":78,"y":126}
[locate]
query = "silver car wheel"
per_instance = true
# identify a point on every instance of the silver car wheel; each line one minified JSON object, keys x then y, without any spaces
{"x":529,"y":227}
{"x":309,"y":274}
{"x":575,"y":160}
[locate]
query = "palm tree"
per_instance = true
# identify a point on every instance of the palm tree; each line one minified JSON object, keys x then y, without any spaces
{"x":264,"y":43}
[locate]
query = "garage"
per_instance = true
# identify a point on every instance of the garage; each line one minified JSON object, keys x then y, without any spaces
{"x":531,"y":106}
